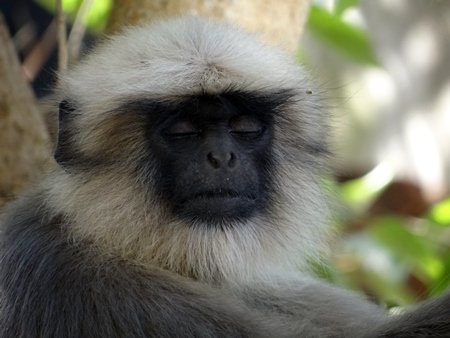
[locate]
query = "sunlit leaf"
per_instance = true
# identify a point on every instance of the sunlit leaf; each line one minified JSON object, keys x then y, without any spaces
{"x":360,"y":192}
{"x":342,"y":5}
{"x":443,"y":283}
{"x":96,"y":17}
{"x":391,"y":293}
{"x":376,"y":268}
{"x":440,"y":213}
{"x":69,"y":6}
{"x":417,"y":251}
{"x":340,"y":35}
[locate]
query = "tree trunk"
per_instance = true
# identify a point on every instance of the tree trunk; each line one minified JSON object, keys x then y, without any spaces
{"x":280,"y":22}
{"x":24,"y":146}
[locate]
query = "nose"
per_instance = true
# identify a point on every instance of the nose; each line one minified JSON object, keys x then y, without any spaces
{"x":221,"y":159}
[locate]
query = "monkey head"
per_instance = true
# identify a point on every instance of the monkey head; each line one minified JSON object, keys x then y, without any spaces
{"x":197,"y":129}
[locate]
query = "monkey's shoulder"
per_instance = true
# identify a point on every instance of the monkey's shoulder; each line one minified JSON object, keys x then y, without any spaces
{"x":52,"y":287}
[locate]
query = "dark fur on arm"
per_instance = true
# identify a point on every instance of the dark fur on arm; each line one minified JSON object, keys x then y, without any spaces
{"x":41,"y":270}
{"x":430,"y":319}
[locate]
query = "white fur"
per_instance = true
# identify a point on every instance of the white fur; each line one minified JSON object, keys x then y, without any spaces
{"x":173,"y":59}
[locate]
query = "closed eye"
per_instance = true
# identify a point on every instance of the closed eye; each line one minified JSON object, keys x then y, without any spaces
{"x":246,"y":126}
{"x":182,"y":129}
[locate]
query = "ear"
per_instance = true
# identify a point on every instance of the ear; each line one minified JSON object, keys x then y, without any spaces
{"x":64,"y":153}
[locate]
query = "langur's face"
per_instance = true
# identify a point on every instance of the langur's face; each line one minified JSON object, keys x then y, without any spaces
{"x":213,"y":154}
{"x":207,"y":133}
{"x":208,"y":157}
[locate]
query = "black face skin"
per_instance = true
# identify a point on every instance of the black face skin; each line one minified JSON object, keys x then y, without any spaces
{"x":209,"y":156}
{"x":214,"y":155}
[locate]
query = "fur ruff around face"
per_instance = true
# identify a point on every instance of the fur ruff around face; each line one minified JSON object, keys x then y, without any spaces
{"x":120,"y":211}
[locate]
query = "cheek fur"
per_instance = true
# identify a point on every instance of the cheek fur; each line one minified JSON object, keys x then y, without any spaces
{"x":116,"y":140}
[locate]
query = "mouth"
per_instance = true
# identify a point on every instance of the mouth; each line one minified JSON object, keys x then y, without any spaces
{"x":216,"y":206}
{"x":218,"y":194}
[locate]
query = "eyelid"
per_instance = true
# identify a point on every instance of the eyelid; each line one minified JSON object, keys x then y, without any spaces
{"x":246,"y":125}
{"x":182,"y":128}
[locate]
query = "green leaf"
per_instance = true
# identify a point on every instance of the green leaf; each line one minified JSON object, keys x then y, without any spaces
{"x":416,"y":251}
{"x":371,"y":265}
{"x":97,"y":15}
{"x":442,"y":284}
{"x":361,"y":192}
{"x":342,"y":5}
{"x":440,"y":213}
{"x":340,"y":35}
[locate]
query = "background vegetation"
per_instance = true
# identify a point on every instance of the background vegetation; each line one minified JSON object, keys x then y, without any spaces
{"x":396,"y":240}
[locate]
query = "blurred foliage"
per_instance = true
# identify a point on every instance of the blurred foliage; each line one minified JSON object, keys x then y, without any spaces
{"x":335,"y":32}
{"x":394,"y":246}
{"x":395,"y":258}
{"x":96,"y":18}
{"x":440,"y":213}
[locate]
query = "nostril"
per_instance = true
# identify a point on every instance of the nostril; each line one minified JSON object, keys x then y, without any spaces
{"x":232,"y":161}
{"x":213,"y":160}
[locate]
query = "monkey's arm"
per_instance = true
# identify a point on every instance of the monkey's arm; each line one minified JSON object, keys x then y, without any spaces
{"x":50,"y":288}
{"x":430,"y":319}
{"x":316,"y":309}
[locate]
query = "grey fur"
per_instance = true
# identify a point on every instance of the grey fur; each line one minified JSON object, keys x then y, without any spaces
{"x":94,"y":252}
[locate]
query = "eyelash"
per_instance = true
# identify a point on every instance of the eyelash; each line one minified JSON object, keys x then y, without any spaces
{"x":179,"y":136}
{"x":240,"y":127}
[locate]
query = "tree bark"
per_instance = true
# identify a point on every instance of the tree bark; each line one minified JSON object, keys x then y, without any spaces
{"x":280,"y":22}
{"x":24,"y":146}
